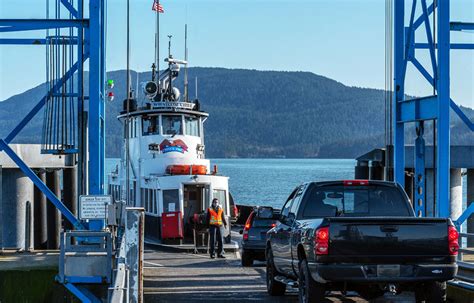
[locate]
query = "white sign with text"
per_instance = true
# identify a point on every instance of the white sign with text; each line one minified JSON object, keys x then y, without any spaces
{"x":93,"y":207}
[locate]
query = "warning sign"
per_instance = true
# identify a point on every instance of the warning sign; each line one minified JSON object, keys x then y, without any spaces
{"x":93,"y":207}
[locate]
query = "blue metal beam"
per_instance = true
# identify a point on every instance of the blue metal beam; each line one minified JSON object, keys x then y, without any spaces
{"x":33,"y":41}
{"x":70,"y":8}
{"x":462,"y":115}
{"x":420,"y":19}
{"x":461,"y":26}
{"x":419,"y":178}
{"x":409,"y":40}
{"x":418,"y":109}
{"x":96,"y":103}
{"x":464,"y":216}
{"x":422,"y":70}
{"x":40,"y":104}
{"x":75,"y":291}
{"x":41,"y":186}
{"x":16,"y":25}
{"x":457,"y":46}
{"x":429,"y":36}
{"x":443,"y":127}
{"x":399,"y":85}
{"x":81,"y":293}
{"x":85,"y":280}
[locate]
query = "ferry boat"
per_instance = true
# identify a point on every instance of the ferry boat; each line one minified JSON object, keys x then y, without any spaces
{"x":168,"y":173}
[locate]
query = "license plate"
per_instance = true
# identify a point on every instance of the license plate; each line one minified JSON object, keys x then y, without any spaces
{"x":388,"y":270}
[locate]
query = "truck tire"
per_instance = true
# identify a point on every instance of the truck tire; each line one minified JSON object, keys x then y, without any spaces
{"x":247,"y":258}
{"x":308,"y":289}
{"x":431,"y":292}
{"x":274,"y":287}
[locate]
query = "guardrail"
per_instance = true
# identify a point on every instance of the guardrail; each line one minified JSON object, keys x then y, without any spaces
{"x":465,"y":259}
{"x":127,"y":285}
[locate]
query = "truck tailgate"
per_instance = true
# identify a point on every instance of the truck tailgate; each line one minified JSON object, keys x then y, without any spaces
{"x":388,"y":240}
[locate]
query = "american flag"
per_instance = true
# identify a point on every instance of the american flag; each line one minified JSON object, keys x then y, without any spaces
{"x":157,"y":7}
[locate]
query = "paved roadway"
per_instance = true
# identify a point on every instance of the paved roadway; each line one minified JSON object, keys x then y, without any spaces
{"x":183,"y":277}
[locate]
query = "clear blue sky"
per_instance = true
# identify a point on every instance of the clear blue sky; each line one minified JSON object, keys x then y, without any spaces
{"x":339,"y":39}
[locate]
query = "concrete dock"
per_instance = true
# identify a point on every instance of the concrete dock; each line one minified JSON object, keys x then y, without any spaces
{"x":184,"y":277}
{"x":172,"y":276}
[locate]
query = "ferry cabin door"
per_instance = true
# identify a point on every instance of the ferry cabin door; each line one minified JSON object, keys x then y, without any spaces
{"x":194,"y":203}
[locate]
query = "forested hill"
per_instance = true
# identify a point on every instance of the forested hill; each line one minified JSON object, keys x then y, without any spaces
{"x":257,"y":114}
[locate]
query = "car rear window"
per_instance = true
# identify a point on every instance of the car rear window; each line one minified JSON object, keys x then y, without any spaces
{"x":354,"y":201}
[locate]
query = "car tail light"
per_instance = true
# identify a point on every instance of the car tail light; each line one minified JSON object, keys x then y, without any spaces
{"x":355,"y":182}
{"x":247,"y":226}
{"x":453,"y":237}
{"x":273,"y":225}
{"x":321,"y":241}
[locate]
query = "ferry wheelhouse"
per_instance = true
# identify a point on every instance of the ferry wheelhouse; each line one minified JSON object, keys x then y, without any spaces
{"x":164,"y":150}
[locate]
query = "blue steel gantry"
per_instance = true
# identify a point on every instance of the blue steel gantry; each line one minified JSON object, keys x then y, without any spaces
{"x":88,"y":36}
{"x":86,"y":39}
{"x":434,"y":107}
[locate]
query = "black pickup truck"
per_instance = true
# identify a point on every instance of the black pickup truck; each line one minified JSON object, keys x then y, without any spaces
{"x":358,"y":235}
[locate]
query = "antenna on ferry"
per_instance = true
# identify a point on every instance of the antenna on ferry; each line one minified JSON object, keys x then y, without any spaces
{"x":169,"y":45}
{"x":170,"y":86}
{"x":196,"y":86}
{"x":186,"y":65}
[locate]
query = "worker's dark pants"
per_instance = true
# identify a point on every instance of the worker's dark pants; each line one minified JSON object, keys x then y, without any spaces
{"x":216,"y":233}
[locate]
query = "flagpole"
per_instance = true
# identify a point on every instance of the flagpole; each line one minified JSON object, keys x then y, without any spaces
{"x":157,"y":50}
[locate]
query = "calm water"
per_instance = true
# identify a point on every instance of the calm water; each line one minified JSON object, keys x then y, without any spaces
{"x":270,"y":181}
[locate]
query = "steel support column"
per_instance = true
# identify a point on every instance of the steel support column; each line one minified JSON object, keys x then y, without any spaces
{"x":96,"y":103}
{"x":399,"y":85}
{"x":434,"y":107}
{"x":420,"y":173}
{"x":443,"y":89}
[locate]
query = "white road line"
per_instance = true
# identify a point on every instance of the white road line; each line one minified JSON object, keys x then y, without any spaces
{"x":156,"y":264}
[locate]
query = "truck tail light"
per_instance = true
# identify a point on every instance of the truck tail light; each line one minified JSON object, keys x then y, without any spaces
{"x":453,"y":237}
{"x":248,"y":224}
{"x":321,"y":241}
{"x":355,"y":182}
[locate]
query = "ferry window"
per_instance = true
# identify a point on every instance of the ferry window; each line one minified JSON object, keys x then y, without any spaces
{"x":191,"y":126}
{"x":150,"y":126}
{"x":172,"y":125}
{"x":152,"y":201}
{"x":134,"y":189}
{"x":135,"y":128}
{"x":156,"y":202}
{"x":170,"y":200}
{"x":221,"y":196}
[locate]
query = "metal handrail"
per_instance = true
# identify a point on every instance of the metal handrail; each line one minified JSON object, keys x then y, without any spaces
{"x":466,"y":267}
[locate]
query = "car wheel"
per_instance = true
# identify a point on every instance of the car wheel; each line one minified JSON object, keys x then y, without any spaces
{"x":432,"y":292}
{"x":274,"y":287}
{"x":308,"y":289}
{"x":247,"y":259}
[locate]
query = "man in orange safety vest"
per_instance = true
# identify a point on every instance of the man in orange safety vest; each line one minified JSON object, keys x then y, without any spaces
{"x":216,"y":221}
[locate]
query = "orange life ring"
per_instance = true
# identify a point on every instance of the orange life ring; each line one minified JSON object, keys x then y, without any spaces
{"x":179,"y":169}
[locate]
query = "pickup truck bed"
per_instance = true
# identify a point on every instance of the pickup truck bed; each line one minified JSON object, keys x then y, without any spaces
{"x":362,"y":236}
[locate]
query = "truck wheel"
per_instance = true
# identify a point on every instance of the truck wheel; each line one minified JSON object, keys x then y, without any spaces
{"x":247,"y":259}
{"x":308,"y":289}
{"x":432,"y":292}
{"x":274,"y":287}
